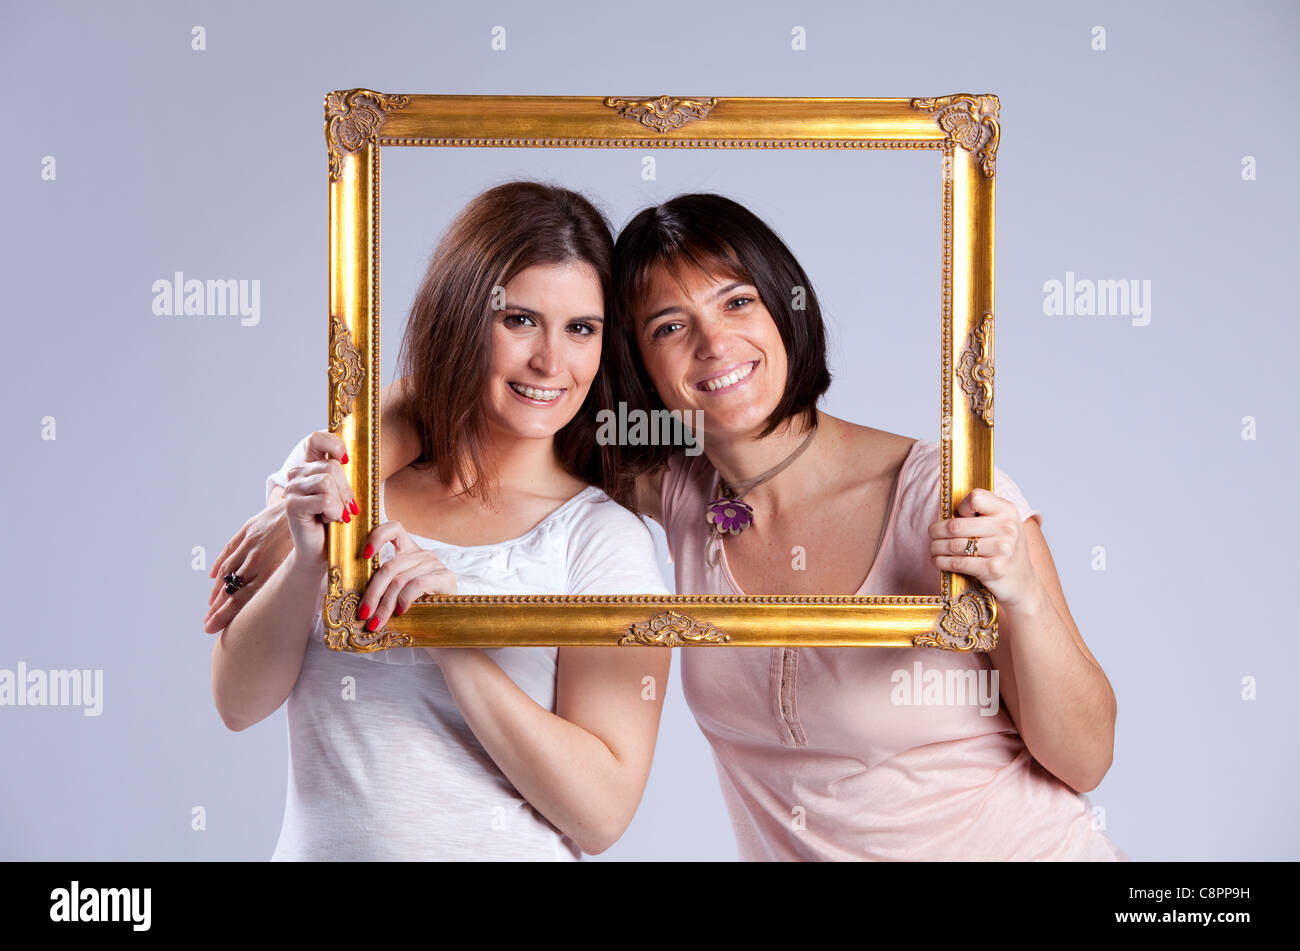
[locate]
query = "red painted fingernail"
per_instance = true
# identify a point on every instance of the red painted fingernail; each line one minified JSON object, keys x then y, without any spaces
{"x":345,"y":457}
{"x":397,"y":610}
{"x":346,"y":516}
{"x":374,"y":623}
{"x":370,"y":550}
{"x":364,"y":612}
{"x":355,"y":510}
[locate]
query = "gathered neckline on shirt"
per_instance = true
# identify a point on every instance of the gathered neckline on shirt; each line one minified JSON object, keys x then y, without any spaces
{"x":383,"y":517}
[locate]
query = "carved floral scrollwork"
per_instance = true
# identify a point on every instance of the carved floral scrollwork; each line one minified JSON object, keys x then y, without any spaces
{"x":975,"y":371}
{"x":352,"y":119}
{"x":672,"y":629}
{"x":968,"y":624}
{"x":971,"y":122}
{"x":664,"y":113}
{"x":344,"y":631}
{"x":346,"y":371}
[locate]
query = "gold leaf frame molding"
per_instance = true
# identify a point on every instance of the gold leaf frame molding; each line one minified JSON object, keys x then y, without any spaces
{"x":960,"y":131}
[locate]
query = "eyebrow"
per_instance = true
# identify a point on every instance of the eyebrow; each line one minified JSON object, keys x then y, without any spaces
{"x":538,"y":313}
{"x":721,"y":293}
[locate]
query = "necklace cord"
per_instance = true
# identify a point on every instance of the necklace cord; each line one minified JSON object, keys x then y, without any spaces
{"x":730,"y":489}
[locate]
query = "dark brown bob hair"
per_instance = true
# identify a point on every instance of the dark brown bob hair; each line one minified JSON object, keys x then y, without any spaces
{"x":721,"y":238}
{"x":446,"y":351}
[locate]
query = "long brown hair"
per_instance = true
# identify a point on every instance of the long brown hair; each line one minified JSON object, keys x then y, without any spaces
{"x":446,"y":350}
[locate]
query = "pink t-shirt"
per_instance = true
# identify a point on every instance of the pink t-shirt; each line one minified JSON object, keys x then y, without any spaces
{"x":867,"y":752}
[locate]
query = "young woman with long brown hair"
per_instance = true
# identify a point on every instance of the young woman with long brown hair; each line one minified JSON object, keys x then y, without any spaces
{"x":512,"y":753}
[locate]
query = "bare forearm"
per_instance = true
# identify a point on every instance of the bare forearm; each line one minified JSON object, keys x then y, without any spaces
{"x":1066,"y":704}
{"x":565,"y":772}
{"x":258,"y":657}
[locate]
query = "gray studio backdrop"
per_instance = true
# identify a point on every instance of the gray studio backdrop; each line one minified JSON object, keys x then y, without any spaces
{"x":1141,"y":143}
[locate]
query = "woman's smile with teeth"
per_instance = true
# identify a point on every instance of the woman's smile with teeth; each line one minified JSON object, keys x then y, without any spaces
{"x":735,"y":376}
{"x":535,"y":392}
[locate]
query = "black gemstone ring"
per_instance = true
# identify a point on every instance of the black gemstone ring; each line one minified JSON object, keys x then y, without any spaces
{"x":233,"y":583}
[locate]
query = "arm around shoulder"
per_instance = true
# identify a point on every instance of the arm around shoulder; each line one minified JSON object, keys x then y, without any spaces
{"x":257,"y":658}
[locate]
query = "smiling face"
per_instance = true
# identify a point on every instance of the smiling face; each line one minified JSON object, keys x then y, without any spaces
{"x":712,"y":346}
{"x":546,"y":344}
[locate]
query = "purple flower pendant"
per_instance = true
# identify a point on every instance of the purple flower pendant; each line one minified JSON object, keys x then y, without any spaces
{"x":728,"y":515}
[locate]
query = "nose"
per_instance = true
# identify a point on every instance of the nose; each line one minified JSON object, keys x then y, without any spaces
{"x":544,"y":359}
{"x":710,"y":340}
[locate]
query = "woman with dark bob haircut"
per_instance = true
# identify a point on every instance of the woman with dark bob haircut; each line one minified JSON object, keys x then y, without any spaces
{"x":843,"y":753}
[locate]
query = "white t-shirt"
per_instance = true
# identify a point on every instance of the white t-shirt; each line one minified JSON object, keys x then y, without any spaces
{"x":382,"y":766}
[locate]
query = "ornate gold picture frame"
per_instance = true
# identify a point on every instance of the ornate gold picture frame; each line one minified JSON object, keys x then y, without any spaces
{"x":963,"y":132}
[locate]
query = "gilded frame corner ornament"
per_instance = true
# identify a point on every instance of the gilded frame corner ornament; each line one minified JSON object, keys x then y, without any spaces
{"x":967,"y":623}
{"x":969,"y":121}
{"x":344,"y":630}
{"x":352,"y":120}
{"x":961,"y":130}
